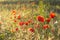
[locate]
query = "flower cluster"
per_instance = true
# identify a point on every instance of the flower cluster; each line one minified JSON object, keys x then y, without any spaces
{"x":39,"y":18}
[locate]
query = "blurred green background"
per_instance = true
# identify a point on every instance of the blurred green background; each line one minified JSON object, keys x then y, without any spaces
{"x":54,"y":5}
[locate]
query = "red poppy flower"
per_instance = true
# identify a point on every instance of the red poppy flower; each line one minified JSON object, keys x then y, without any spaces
{"x":31,"y":29}
{"x":48,"y":19}
{"x":0,"y":22}
{"x":45,"y":26}
{"x":52,"y":30}
{"x":14,"y":12}
{"x":21,"y":23}
{"x":12,"y":30}
{"x":37,"y":26}
{"x":52,"y":15}
{"x":15,"y":20}
{"x":19,"y":17}
{"x":30,"y":21}
{"x":40,"y":18}
{"x":14,"y":16}
{"x":26,"y":23}
{"x":16,"y":29}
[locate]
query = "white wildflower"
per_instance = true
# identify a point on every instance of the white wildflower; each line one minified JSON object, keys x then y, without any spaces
{"x":56,"y":22}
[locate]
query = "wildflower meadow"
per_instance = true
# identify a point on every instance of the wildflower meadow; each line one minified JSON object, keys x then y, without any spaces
{"x":29,"y":21}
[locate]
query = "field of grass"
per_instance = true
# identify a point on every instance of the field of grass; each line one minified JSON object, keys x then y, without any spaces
{"x":28,"y":22}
